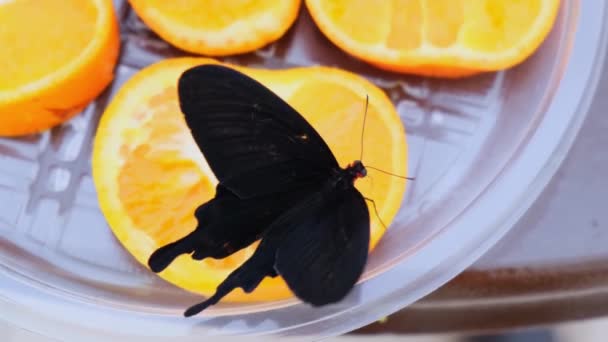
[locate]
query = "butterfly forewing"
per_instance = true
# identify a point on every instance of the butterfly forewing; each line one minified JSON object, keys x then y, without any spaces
{"x":254,"y":142}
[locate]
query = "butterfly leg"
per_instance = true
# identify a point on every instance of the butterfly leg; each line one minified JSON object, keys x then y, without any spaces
{"x":376,"y":211}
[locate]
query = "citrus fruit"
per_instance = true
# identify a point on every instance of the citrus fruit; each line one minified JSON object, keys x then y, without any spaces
{"x":218,"y":28}
{"x":441,"y":38}
{"x":55,"y":57}
{"x":151,"y":176}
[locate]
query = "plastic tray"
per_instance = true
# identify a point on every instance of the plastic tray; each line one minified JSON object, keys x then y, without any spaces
{"x":481,"y":150}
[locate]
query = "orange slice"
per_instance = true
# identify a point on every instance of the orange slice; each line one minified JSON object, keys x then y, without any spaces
{"x":151,"y":176}
{"x":447,"y":38}
{"x":215,"y":27}
{"x":55,"y":57}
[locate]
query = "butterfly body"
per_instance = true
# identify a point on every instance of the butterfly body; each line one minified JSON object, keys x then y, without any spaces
{"x":279,"y":183}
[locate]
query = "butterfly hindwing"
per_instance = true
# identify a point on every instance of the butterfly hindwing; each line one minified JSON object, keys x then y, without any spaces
{"x":318,"y":246}
{"x":226,"y":224}
{"x":247,"y":276}
{"x":323,"y":254}
{"x":254,"y":142}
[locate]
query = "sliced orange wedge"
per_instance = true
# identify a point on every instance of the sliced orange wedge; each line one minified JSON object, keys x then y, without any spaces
{"x":151,"y":176}
{"x":55,"y":57}
{"x":442,"y":38}
{"x":218,"y":28}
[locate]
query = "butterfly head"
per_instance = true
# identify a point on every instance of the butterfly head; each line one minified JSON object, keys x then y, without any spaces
{"x":357,"y":170}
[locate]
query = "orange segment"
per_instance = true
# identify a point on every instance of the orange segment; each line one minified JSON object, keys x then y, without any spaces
{"x":150,"y":175}
{"x":442,"y":21}
{"x":442,"y":38}
{"x":215,"y":27}
{"x":406,"y":29}
{"x":367,"y":29}
{"x":499,"y":25}
{"x":56,"y":57}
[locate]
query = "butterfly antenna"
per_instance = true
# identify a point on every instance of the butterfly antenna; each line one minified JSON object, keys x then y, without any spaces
{"x":376,"y":211}
{"x":363,"y":134}
{"x":363,"y":129}
{"x":388,"y":173}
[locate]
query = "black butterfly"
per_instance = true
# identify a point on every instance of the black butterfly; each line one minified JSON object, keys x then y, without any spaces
{"x":278,"y":182}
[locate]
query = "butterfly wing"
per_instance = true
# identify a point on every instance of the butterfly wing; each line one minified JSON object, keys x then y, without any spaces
{"x":319,"y":247}
{"x":254,"y":142}
{"x":323,"y":254}
{"x":247,"y":276}
{"x":226,"y":224}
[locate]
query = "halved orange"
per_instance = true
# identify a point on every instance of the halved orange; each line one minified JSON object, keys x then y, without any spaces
{"x":442,"y":38}
{"x":55,"y":57}
{"x":217,"y":27}
{"x":151,"y":176}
